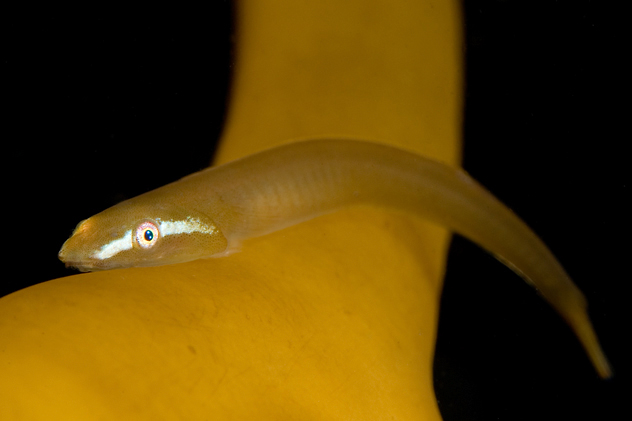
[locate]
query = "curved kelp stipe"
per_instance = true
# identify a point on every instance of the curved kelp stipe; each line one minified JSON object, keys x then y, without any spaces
{"x":208,"y":214}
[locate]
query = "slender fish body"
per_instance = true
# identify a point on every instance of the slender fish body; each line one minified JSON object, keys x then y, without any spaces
{"x":209,"y":213}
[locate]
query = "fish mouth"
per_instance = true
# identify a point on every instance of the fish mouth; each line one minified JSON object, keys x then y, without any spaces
{"x":81,"y":266}
{"x":74,"y":262}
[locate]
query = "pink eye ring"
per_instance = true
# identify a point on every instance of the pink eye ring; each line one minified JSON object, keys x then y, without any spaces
{"x":147,"y":234}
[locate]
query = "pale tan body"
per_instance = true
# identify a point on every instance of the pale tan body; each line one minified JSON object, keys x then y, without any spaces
{"x":286,"y":185}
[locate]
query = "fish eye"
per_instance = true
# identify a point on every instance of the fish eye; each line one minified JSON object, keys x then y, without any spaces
{"x":147,"y":234}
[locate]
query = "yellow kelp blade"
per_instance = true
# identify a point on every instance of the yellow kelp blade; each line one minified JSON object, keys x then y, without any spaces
{"x":332,"y":319}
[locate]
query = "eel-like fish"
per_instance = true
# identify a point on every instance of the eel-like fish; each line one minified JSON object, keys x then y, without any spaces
{"x":208,"y":214}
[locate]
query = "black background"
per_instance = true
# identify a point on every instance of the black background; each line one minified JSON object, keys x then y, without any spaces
{"x":97,"y":109}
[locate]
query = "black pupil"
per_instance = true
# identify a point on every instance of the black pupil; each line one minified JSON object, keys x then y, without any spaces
{"x":149,"y":235}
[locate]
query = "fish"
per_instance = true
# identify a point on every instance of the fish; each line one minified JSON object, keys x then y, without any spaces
{"x":210,"y":213}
